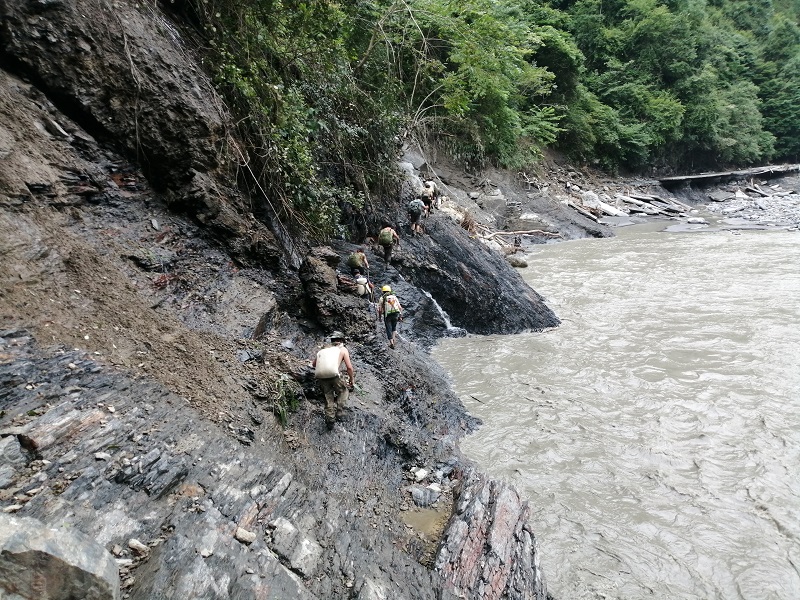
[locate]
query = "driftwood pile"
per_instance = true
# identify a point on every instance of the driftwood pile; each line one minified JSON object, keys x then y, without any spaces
{"x":593,"y":207}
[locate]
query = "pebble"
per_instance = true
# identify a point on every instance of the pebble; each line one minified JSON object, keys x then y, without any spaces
{"x":244,"y":536}
{"x":138,"y":547}
{"x":419,"y":474}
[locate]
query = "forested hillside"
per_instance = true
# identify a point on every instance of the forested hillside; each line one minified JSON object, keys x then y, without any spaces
{"x":328,"y":90}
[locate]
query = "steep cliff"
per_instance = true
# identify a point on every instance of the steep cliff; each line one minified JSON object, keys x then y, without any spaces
{"x":155,"y":334}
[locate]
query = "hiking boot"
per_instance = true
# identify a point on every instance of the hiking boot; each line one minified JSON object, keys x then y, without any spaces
{"x":329,"y":423}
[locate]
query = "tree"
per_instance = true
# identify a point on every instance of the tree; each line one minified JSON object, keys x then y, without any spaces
{"x":782,"y":110}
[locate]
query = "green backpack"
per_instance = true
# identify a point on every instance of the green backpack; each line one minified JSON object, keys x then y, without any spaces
{"x":355,"y":261}
{"x":385,"y":237}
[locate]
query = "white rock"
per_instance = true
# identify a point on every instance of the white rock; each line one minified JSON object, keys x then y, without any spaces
{"x":138,"y":547}
{"x":244,"y":536}
{"x":302,"y":553}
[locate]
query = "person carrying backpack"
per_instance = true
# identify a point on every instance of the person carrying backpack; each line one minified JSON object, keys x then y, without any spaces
{"x":388,"y":238}
{"x":415,"y":208}
{"x":326,"y":371}
{"x":358,"y":262}
{"x":389,"y":308}
{"x":429,"y":195}
{"x":364,"y":287}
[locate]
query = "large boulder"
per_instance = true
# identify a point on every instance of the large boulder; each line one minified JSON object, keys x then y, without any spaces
{"x":332,"y":307}
{"x":40,"y":562}
{"x":474,"y":285}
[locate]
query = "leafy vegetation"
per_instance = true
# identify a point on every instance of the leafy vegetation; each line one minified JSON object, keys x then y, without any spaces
{"x":325,"y":92}
{"x":287,"y":398}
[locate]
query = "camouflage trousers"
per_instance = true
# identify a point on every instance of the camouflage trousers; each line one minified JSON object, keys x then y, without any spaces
{"x":336,"y":395}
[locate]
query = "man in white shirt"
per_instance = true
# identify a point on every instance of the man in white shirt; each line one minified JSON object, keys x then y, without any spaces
{"x":326,"y":371}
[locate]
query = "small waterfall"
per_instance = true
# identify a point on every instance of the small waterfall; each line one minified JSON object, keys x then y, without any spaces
{"x":451,"y":330}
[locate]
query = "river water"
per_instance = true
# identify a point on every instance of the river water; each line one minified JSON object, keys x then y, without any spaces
{"x":656,"y":432}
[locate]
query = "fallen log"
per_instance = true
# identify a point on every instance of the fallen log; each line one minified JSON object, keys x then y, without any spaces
{"x":757,"y":190}
{"x":645,"y":197}
{"x":647,"y":210}
{"x":681,"y":204}
{"x":664,"y":206}
{"x":727,"y":175}
{"x":526,"y":232}
{"x":582,"y":211}
{"x":611,"y":210}
{"x":642,"y":206}
{"x":592,"y":200}
{"x":630,"y":200}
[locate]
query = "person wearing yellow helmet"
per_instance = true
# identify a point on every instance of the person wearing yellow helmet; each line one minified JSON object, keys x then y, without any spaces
{"x":390,"y":309}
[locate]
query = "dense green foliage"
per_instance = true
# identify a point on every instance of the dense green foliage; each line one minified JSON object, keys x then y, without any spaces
{"x":325,"y":92}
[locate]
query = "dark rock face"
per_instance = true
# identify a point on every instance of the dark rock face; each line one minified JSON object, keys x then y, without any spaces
{"x":112,"y":57}
{"x":475,"y":286}
{"x":345,"y":312}
{"x":124,"y":76}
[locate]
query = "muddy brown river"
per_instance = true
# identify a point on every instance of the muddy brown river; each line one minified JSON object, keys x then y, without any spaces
{"x":656,"y":432}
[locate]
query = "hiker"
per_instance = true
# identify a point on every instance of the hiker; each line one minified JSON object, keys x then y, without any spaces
{"x":391,"y":311}
{"x":364,"y":286}
{"x":415,"y":209}
{"x":358,"y":262}
{"x":326,"y":371}
{"x":388,"y":238}
{"x":429,"y":195}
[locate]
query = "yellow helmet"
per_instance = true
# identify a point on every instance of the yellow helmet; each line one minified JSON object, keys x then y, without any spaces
{"x":386,"y":288}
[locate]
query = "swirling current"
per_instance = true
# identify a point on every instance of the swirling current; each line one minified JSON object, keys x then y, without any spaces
{"x":656,"y":432}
